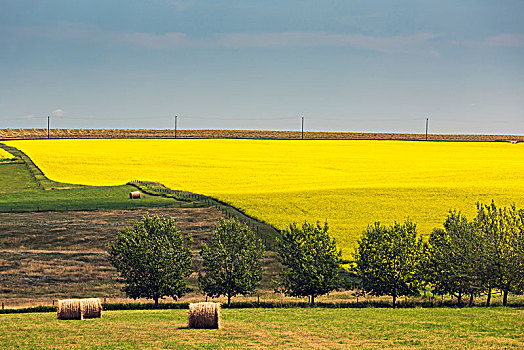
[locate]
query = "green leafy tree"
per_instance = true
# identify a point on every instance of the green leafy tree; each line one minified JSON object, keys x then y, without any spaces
{"x":455,"y":260}
{"x":387,"y":259}
{"x":232,"y":261}
{"x":153,"y":258}
{"x":310,"y":259}
{"x":503,"y":233}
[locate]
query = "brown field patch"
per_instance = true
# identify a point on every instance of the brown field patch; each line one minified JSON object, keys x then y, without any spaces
{"x":90,"y":231}
{"x":9,"y":134}
{"x":51,"y":255}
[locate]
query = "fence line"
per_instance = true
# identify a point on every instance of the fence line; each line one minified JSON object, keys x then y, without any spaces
{"x":33,"y":169}
{"x":266,"y":232}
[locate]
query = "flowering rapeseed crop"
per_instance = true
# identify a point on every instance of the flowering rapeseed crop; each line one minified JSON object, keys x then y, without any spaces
{"x":348,"y":183}
{"x":5,"y":154}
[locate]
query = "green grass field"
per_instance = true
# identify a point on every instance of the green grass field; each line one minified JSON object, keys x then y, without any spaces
{"x":273,"y":328}
{"x":20,"y":192}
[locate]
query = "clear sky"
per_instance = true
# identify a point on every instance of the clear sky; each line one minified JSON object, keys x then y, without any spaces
{"x":346,"y":65}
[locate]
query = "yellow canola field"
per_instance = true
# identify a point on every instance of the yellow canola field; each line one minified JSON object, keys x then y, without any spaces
{"x":348,"y":183}
{"x":5,"y":154}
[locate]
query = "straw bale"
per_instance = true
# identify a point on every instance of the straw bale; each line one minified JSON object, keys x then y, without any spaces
{"x":78,"y":309}
{"x":91,"y":308}
{"x":134,"y":195}
{"x":204,"y":315}
{"x":69,"y":309}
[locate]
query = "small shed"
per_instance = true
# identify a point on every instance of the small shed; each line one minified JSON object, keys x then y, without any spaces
{"x":134,"y":195}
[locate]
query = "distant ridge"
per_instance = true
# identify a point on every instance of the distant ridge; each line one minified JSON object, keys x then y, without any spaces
{"x":23,"y":134}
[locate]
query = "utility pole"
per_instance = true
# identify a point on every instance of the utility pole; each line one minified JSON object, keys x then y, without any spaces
{"x":302,"y":128}
{"x":176,"y":119}
{"x":48,"y":127}
{"x":427,"y":121}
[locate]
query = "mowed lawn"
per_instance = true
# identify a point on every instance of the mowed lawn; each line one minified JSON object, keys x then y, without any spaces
{"x":20,"y":192}
{"x":348,"y":183}
{"x":443,"y":328}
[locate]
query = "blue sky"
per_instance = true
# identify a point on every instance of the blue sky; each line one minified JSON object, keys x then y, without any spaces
{"x":342,"y":65}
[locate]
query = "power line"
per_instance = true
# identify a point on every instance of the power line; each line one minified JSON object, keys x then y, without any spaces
{"x":150,"y":118}
{"x":114,"y":119}
{"x":22,"y":118}
{"x":218,"y":118}
{"x":236,"y":119}
{"x":349,"y":119}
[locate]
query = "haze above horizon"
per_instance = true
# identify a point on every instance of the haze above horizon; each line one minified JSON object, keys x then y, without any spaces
{"x":364,"y":66}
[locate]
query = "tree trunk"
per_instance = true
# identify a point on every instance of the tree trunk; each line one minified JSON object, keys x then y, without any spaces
{"x":229,"y":301}
{"x":312,"y":300}
{"x":156,"y":302}
{"x":459,"y":299}
{"x":394,"y":301}
{"x":505,"y":298}
{"x":470,"y":300}
{"x":488,"y":301}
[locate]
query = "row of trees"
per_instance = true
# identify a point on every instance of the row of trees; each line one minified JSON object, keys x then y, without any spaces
{"x":465,"y":258}
{"x":154,"y":259}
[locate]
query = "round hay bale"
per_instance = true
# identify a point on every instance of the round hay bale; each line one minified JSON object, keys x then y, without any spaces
{"x":69,"y":309}
{"x":91,"y":308}
{"x":204,"y":315}
{"x":134,"y":195}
